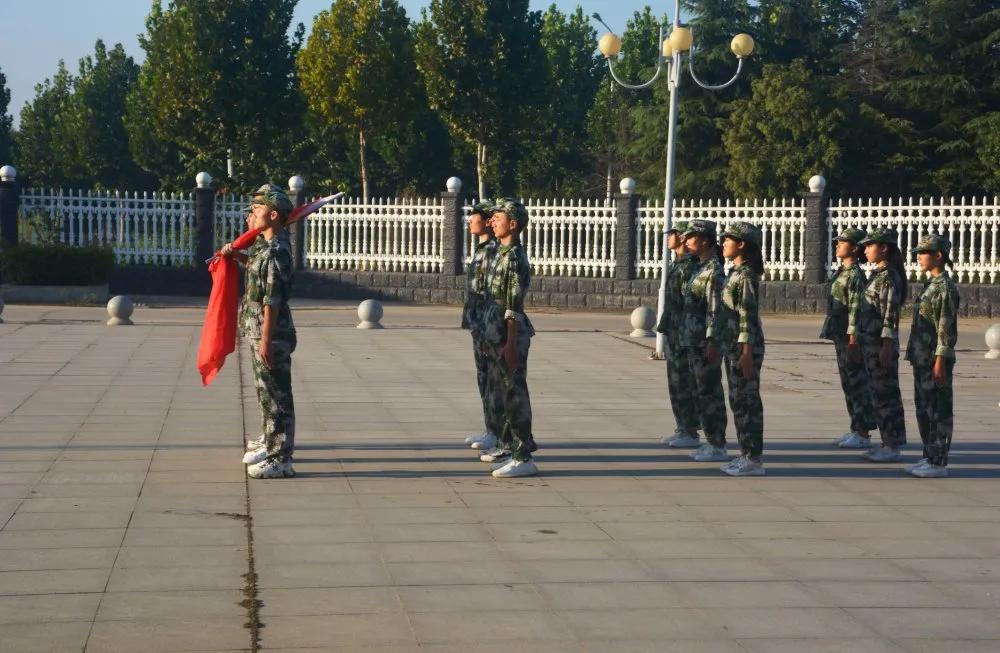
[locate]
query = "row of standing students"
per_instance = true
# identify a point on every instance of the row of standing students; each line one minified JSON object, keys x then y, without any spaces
{"x":705,"y":315}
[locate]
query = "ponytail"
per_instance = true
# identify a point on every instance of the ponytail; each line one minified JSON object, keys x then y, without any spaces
{"x":895,"y":261}
{"x":752,"y":255}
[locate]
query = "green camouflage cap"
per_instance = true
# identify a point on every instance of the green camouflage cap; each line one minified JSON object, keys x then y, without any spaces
{"x":699,"y":228}
{"x":680,"y":226}
{"x":514,"y":210}
{"x":881,"y":237}
{"x":484,"y":208}
{"x":930,"y":243}
{"x":744,"y":231}
{"x":274,"y":197}
{"x":851,"y":235}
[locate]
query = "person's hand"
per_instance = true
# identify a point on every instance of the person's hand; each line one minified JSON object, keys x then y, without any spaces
{"x":264,"y":350}
{"x":853,"y":350}
{"x":226,"y":250}
{"x":746,"y":362}
{"x":886,"y":355}
{"x":711,"y":355}
{"x":509,"y":354}
{"x":939,"y":374}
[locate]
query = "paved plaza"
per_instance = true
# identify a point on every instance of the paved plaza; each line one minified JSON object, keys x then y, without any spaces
{"x":128,"y":523}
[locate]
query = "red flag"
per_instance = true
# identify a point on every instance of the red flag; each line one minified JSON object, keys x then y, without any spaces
{"x":218,"y":334}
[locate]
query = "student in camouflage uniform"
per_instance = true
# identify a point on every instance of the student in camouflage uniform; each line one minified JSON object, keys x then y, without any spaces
{"x":699,"y":335}
{"x":845,"y":289}
{"x":878,"y":334}
{"x":742,"y":339}
{"x":265,"y":321}
{"x":475,"y":295}
{"x":507,"y":332}
{"x":680,"y":385}
{"x":931,"y":352}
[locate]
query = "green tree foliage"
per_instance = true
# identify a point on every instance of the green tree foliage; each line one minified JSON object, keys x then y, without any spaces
{"x":6,"y":135}
{"x":43,"y":155}
{"x":219,"y":75}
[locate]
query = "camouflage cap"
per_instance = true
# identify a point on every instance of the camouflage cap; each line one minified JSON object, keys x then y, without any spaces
{"x":744,"y":231}
{"x":483,"y":208}
{"x":879,"y":236}
{"x":513,"y":209}
{"x":699,"y":228}
{"x":851,"y":235}
{"x":274,"y":197}
{"x":931,"y":243}
{"x":680,"y":226}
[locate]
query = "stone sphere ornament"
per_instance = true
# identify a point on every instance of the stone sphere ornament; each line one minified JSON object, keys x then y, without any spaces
{"x":643,"y":319}
{"x":370,"y":314}
{"x":993,"y":342}
{"x":120,"y":310}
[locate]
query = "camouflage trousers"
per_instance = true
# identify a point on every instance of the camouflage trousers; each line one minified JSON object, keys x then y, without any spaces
{"x":274,"y":394}
{"x":886,"y":398}
{"x":681,"y":388}
{"x":707,"y":394}
{"x":857,"y":389}
{"x":512,"y":389}
{"x":935,"y":412}
{"x":492,"y":401}
{"x":744,"y":401}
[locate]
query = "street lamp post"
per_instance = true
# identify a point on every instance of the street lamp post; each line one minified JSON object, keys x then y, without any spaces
{"x":673,"y":48}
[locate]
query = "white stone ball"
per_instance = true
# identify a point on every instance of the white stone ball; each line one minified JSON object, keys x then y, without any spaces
{"x":8,"y":173}
{"x":643,"y":318}
{"x":627,"y":186}
{"x":370,"y":310}
{"x":454,"y":185}
{"x":296,"y":183}
{"x":204,"y":180}
{"x":817,"y":184}
{"x":993,"y":337}
{"x":121,"y":307}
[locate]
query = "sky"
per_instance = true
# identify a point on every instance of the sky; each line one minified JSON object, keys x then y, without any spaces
{"x":41,"y":32}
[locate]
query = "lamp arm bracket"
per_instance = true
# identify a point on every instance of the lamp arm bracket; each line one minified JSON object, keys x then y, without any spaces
{"x":711,"y":87}
{"x":635,"y":87}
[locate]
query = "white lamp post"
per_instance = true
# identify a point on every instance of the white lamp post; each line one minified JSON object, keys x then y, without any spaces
{"x":673,"y":50}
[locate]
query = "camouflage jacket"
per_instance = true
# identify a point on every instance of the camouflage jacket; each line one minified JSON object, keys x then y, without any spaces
{"x":475,"y":283}
{"x":507,"y":282}
{"x":673,"y":304}
{"x":935,"y":322}
{"x":845,"y":289}
{"x":880,"y":306}
{"x":739,"y":312}
{"x":268,"y":281}
{"x":701,"y":304}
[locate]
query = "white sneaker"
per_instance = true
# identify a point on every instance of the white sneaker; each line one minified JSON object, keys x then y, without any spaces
{"x":683,"y":440}
{"x":930,"y":471}
{"x":743,"y":466}
{"x":854,"y":441}
{"x":495,"y":455}
{"x":254,"y":457}
{"x":254,"y":445}
{"x":708,"y":453}
{"x":867,"y":455}
{"x":909,"y":468}
{"x":516,"y":469}
{"x":886,"y":454}
{"x":270,"y":468}
{"x":476,"y":437}
{"x":487,"y":442}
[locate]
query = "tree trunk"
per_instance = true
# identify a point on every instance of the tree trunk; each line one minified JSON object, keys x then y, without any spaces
{"x":481,"y":169}
{"x":364,"y":166}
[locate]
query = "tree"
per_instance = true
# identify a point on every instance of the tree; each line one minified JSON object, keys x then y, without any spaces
{"x":482,"y":66}
{"x":42,"y":142}
{"x":357,"y":71}
{"x":6,"y":121}
{"x":219,"y":77}
{"x":790,"y":128}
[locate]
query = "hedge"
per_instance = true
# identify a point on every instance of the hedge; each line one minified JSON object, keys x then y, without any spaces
{"x":56,"y":265}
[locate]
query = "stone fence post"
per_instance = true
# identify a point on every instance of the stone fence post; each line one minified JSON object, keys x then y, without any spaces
{"x":626,"y":209}
{"x":204,"y":218}
{"x":297,"y":233}
{"x":453,"y":236}
{"x":817,"y":237}
{"x":10,"y":199}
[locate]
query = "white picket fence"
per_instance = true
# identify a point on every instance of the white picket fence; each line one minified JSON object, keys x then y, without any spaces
{"x":971,"y":225}
{"x":571,"y":238}
{"x":151,"y":228}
